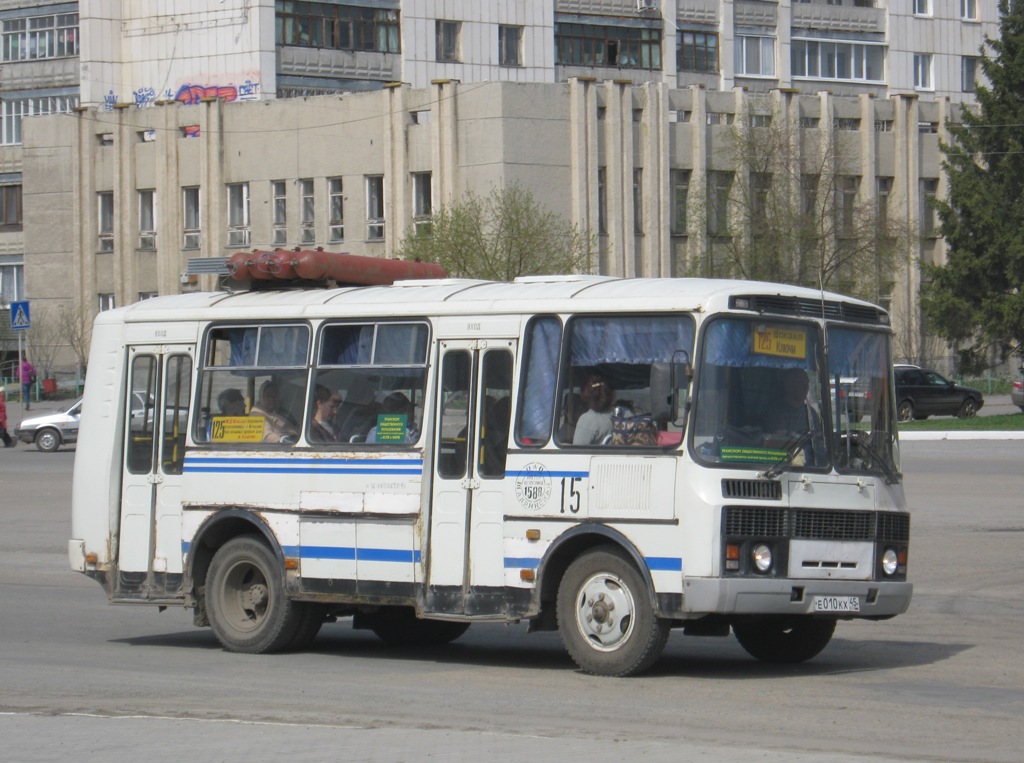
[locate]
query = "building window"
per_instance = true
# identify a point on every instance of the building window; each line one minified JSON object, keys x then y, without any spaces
{"x":846,"y":204}
{"x":336,"y":203}
{"x":10,"y":207}
{"x":755,"y":56}
{"x":144,"y":295}
{"x":339,"y":27}
{"x":719,"y":188}
{"x":698,"y":52}
{"x":279,"y":198}
{"x":13,"y":109}
{"x":375,"y":207}
{"x":923,"y":71}
{"x":191,"y":220}
{"x":638,"y":202}
{"x":969,"y":10}
{"x":882,"y":201}
{"x":447,"y":42}
{"x":106,"y":302}
{"x":968,"y":74}
{"x":680,"y":199}
{"x":760,"y":187}
{"x":52,"y":36}
{"x":307,"y":211}
{"x":838,"y":60}
{"x":105,"y":224}
{"x":929,"y":226}
{"x":422,"y":205}
{"x":147,"y":219}
{"x":12,"y":282}
{"x":922,"y":7}
{"x":239,"y":233}
{"x":602,"y":201}
{"x":597,"y":45}
{"x":510,"y":45}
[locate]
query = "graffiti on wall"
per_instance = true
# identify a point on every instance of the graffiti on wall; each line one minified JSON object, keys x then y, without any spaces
{"x":189,"y":94}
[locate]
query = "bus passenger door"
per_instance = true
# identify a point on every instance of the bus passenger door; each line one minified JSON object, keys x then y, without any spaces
{"x":156,"y":404}
{"x":466,"y":554}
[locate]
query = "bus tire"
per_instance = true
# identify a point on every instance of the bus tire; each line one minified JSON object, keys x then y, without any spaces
{"x":400,"y":626}
{"x":784,"y":640}
{"x":605,"y":617}
{"x":310,"y":622}
{"x":246,"y":601}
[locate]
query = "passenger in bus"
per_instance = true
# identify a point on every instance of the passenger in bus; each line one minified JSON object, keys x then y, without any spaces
{"x":277,"y":424}
{"x":358,"y":411}
{"x":497,"y":418}
{"x":231,"y":402}
{"x":394,"y":405}
{"x":595,"y":425}
{"x":321,"y":428}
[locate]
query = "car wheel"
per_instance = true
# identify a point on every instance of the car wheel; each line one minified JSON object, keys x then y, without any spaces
{"x":48,"y":440}
{"x":968,"y":409}
{"x":905,"y":412}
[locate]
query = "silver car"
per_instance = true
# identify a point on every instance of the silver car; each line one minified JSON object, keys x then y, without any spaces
{"x":51,"y":430}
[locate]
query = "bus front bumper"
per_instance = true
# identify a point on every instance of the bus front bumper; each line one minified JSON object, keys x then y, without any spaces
{"x":837,"y":598}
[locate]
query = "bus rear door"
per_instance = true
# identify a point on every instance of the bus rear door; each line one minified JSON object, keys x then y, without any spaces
{"x":149,"y":556}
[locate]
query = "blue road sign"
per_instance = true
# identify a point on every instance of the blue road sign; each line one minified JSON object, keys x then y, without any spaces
{"x":21,"y":318}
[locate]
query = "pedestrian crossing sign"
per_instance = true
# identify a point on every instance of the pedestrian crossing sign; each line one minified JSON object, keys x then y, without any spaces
{"x":20,"y":316}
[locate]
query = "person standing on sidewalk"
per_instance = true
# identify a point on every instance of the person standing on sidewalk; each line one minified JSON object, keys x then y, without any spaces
{"x":4,"y":435}
{"x":27,"y":374}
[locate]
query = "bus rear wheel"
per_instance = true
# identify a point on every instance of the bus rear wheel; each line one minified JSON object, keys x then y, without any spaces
{"x":246,"y":601}
{"x":605,"y":617}
{"x":785,"y":640}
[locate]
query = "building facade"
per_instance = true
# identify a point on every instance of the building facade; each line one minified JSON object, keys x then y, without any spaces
{"x":193,"y":128}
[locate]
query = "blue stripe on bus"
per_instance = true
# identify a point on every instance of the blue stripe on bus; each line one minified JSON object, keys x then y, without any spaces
{"x":546,"y":473}
{"x":343,"y":553}
{"x":353,"y":466}
{"x":654,"y":563}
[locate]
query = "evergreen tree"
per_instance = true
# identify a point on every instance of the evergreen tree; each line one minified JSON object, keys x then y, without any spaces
{"x":976,"y":300}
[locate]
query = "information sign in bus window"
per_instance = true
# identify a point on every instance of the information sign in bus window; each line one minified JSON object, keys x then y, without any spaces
{"x":781,"y":342}
{"x":236,"y":429}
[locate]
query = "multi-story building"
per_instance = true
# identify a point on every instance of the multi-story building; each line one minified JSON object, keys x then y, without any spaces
{"x":164,"y":161}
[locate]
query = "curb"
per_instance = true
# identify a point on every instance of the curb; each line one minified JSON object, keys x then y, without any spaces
{"x":964,"y":435}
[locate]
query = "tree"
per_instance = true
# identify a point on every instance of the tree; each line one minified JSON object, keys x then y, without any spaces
{"x":45,"y":339}
{"x":499,"y":237}
{"x":792,"y":211}
{"x":975,"y":300}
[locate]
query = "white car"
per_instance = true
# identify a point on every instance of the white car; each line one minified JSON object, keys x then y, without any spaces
{"x":51,"y":430}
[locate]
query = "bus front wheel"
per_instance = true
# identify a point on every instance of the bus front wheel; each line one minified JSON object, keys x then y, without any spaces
{"x":605,"y":617}
{"x":787,"y":640}
{"x":246,"y":601}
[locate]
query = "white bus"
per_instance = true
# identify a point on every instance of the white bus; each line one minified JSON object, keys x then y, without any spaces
{"x":611,"y":458}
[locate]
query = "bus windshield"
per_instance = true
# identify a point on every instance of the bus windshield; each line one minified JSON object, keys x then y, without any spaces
{"x":767,"y":397}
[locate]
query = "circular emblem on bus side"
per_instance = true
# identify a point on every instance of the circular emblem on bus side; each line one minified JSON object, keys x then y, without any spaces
{"x":533,"y":487}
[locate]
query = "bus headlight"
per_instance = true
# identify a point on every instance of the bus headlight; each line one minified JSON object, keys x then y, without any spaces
{"x":890,"y":561}
{"x":762,"y":557}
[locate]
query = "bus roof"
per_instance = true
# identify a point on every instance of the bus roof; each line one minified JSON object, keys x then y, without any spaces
{"x":453,"y":296}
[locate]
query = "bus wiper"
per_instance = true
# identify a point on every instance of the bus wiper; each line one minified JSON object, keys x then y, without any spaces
{"x":791,"y":453}
{"x":892,"y":477}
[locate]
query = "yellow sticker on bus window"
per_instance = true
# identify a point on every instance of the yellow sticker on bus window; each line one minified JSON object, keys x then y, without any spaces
{"x":236,"y":429}
{"x":781,"y":342}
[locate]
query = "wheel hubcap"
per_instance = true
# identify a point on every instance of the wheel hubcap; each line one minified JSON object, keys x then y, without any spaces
{"x":604,"y":612}
{"x":247,"y":597}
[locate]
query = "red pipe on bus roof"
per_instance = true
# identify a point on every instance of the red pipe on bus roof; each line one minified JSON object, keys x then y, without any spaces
{"x":318,"y":265}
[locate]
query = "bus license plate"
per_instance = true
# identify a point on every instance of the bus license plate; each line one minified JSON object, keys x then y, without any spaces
{"x":837,"y":604}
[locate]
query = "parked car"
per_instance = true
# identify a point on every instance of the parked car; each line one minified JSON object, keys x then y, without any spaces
{"x":921,"y":392}
{"x":51,"y":430}
{"x":1017,"y":390}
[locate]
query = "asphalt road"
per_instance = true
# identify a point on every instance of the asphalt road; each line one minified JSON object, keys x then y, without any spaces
{"x":944,"y":682}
